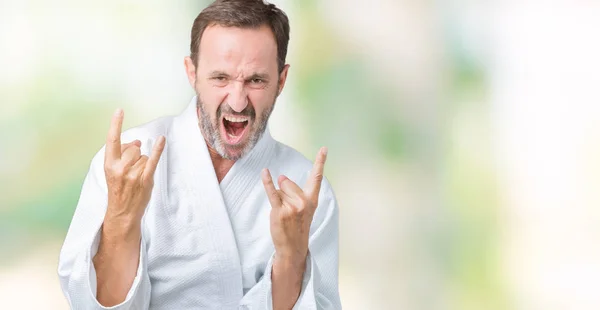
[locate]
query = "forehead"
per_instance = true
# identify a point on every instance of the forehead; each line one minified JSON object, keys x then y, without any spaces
{"x":233,"y":48}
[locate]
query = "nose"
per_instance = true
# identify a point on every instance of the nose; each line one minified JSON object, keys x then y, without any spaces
{"x":237,"y":97}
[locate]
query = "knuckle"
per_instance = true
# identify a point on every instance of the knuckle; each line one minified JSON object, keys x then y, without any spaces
{"x":319,"y":177}
{"x":282,"y":216}
{"x":112,"y":169}
{"x":299,"y":208}
{"x":130,"y":177}
{"x":158,"y":147}
{"x":136,"y":150}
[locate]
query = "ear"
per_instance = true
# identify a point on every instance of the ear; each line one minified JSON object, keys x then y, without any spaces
{"x":190,"y":70}
{"x":282,"y":79}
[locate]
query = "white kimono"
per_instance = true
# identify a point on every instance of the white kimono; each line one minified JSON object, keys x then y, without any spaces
{"x":204,"y":245}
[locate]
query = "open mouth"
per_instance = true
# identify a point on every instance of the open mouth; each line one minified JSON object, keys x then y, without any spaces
{"x":234,"y":128}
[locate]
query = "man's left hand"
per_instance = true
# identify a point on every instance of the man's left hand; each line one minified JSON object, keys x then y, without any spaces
{"x":292,"y":211}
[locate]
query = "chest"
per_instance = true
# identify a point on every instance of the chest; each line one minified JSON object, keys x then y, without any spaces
{"x":215,"y":242}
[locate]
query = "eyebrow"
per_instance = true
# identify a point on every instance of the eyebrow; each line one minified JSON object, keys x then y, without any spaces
{"x":257,"y":75}
{"x":262,"y":76}
{"x":218,"y":73}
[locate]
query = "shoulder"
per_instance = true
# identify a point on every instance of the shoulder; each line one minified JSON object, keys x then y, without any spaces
{"x":148,"y":132}
{"x":290,"y":157}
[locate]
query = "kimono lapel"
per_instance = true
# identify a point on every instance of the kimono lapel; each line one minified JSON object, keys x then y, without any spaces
{"x":191,"y":167}
{"x":244,"y":176}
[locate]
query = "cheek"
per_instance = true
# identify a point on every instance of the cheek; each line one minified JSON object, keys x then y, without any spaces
{"x":211,"y":96}
{"x":261,"y":99}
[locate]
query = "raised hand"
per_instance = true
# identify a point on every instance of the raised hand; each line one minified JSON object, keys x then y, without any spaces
{"x":292,"y":211}
{"x":129,"y":178}
{"x":129,"y":175}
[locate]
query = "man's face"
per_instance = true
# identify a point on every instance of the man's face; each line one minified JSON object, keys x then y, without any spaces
{"x":236,"y":83}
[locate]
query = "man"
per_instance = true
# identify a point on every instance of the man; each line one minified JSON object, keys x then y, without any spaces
{"x":186,"y":214}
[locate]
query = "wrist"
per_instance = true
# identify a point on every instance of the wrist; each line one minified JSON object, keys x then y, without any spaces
{"x":291,"y":254}
{"x":286,"y":261}
{"x":121,"y":228}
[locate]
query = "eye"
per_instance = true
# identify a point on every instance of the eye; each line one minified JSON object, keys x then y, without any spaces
{"x":256,"y":81}
{"x":219,"y":80}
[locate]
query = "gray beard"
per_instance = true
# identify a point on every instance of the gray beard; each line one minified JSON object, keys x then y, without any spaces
{"x":210,"y":130}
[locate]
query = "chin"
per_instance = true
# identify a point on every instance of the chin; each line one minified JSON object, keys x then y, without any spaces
{"x":236,"y":150}
{"x":231,"y":152}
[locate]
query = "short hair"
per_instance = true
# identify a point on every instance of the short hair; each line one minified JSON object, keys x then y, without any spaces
{"x":243,"y":14}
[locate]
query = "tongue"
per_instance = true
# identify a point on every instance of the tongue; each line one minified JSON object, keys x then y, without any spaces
{"x":235,"y":128}
{"x":237,"y":125}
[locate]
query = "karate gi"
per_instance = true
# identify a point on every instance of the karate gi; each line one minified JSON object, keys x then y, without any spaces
{"x":205,"y":244}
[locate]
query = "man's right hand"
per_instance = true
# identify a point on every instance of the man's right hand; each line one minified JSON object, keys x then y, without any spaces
{"x":129,"y":178}
{"x":129,"y":175}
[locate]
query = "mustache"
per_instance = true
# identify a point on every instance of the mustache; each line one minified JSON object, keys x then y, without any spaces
{"x":225,"y":108}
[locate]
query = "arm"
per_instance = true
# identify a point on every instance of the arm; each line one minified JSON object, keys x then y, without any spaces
{"x":117,"y":260}
{"x":105,"y":241}
{"x":76,"y":269}
{"x":286,"y":279}
{"x":301,"y":276}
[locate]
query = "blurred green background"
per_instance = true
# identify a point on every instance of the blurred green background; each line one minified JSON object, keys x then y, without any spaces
{"x":463,"y":137}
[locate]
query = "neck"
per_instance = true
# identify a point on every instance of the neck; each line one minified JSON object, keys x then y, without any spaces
{"x":221,"y":165}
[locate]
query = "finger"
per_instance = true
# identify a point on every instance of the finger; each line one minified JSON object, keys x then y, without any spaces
{"x":125,"y":146}
{"x":288,"y":200}
{"x":313,"y":184}
{"x":272,"y":194}
{"x":135,"y":172}
{"x":284,"y":196}
{"x":290,"y":189}
{"x":131,"y":155}
{"x":113,"y":140}
{"x":138,"y":167}
{"x":157,"y":149}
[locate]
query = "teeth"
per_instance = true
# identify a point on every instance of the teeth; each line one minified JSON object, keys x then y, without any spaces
{"x":234,"y":119}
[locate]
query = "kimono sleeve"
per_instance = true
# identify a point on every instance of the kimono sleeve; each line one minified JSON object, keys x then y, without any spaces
{"x":320,"y":282}
{"x":75,"y":268}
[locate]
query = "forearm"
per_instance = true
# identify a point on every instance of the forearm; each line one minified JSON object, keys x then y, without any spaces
{"x":116,"y":261}
{"x":286,"y":278}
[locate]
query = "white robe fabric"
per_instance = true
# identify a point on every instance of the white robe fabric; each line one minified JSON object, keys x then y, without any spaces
{"x":205,"y":244}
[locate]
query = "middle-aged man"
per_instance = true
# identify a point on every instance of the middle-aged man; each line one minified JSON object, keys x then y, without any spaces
{"x":186,"y":214}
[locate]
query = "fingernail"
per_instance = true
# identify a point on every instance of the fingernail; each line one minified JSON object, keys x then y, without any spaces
{"x":324,"y":150}
{"x":265,"y":172}
{"x":118,"y":112}
{"x":282,"y":178}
